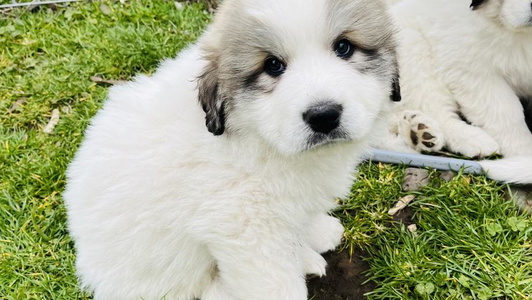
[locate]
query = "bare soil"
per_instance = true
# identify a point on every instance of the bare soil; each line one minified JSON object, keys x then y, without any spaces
{"x":344,"y":280}
{"x":346,"y":276}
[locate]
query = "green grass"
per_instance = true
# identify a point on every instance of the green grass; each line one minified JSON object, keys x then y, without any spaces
{"x":470,"y":244}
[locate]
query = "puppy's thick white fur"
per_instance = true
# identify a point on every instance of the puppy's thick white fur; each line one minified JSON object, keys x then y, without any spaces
{"x":160,"y":208}
{"x":454,"y":60}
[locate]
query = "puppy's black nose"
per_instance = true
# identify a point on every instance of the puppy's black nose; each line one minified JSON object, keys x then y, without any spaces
{"x":323,"y":117}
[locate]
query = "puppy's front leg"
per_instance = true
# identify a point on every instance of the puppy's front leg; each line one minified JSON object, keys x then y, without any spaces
{"x":259,"y":267}
{"x":324,"y":233}
{"x":499,"y":112}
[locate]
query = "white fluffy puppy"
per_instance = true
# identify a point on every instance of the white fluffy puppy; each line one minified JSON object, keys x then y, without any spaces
{"x":161,"y":206}
{"x":469,"y":60}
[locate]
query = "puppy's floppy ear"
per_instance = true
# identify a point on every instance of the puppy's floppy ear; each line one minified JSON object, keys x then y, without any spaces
{"x":210,"y":98}
{"x":474,"y":5}
{"x":396,"y":89}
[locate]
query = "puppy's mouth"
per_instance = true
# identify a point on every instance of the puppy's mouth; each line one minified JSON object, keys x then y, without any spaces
{"x":318,"y":139}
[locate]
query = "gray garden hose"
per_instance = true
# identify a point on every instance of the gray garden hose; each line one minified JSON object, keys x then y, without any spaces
{"x":422,"y":160}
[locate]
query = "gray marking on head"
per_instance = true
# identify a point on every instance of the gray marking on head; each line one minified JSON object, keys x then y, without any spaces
{"x":211,"y":99}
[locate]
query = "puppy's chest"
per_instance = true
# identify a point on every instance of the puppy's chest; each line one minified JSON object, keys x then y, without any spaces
{"x":305,"y":193}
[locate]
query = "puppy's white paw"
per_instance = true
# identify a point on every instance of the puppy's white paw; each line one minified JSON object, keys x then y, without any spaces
{"x":313,"y":262}
{"x":324,"y":233}
{"x":471,"y":141}
{"x":421,"y":132}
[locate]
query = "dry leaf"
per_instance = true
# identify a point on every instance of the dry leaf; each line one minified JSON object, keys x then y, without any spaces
{"x":102,"y":81}
{"x":401,"y":204}
{"x":17,"y":105}
{"x":105,"y":9}
{"x":415,"y":179}
{"x":53,"y":122}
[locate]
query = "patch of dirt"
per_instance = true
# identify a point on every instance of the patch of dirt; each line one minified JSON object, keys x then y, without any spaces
{"x":344,"y":279}
{"x":404,"y":216}
{"x":346,"y":276}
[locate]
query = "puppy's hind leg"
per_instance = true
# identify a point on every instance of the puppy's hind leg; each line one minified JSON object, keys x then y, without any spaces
{"x":498,"y":111}
{"x":420,"y":131}
{"x":454,"y":133}
{"x":440,"y":110}
{"x":468,"y":140}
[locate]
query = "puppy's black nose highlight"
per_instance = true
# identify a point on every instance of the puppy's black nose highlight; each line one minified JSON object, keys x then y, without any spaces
{"x":323,"y":117}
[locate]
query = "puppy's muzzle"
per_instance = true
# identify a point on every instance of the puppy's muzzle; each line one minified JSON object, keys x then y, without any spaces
{"x":323,"y":117}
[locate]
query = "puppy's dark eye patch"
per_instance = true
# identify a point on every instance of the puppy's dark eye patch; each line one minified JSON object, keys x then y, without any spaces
{"x":344,"y":49}
{"x":274,"y":66}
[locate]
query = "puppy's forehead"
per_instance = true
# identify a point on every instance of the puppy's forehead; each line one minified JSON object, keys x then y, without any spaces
{"x":289,"y":23}
{"x":364,"y":21}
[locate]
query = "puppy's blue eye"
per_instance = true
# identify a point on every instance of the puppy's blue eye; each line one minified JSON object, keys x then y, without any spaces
{"x":274,"y":67}
{"x":344,"y":49}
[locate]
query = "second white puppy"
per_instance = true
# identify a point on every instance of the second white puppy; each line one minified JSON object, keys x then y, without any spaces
{"x":471,"y":60}
{"x":164,"y":206}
